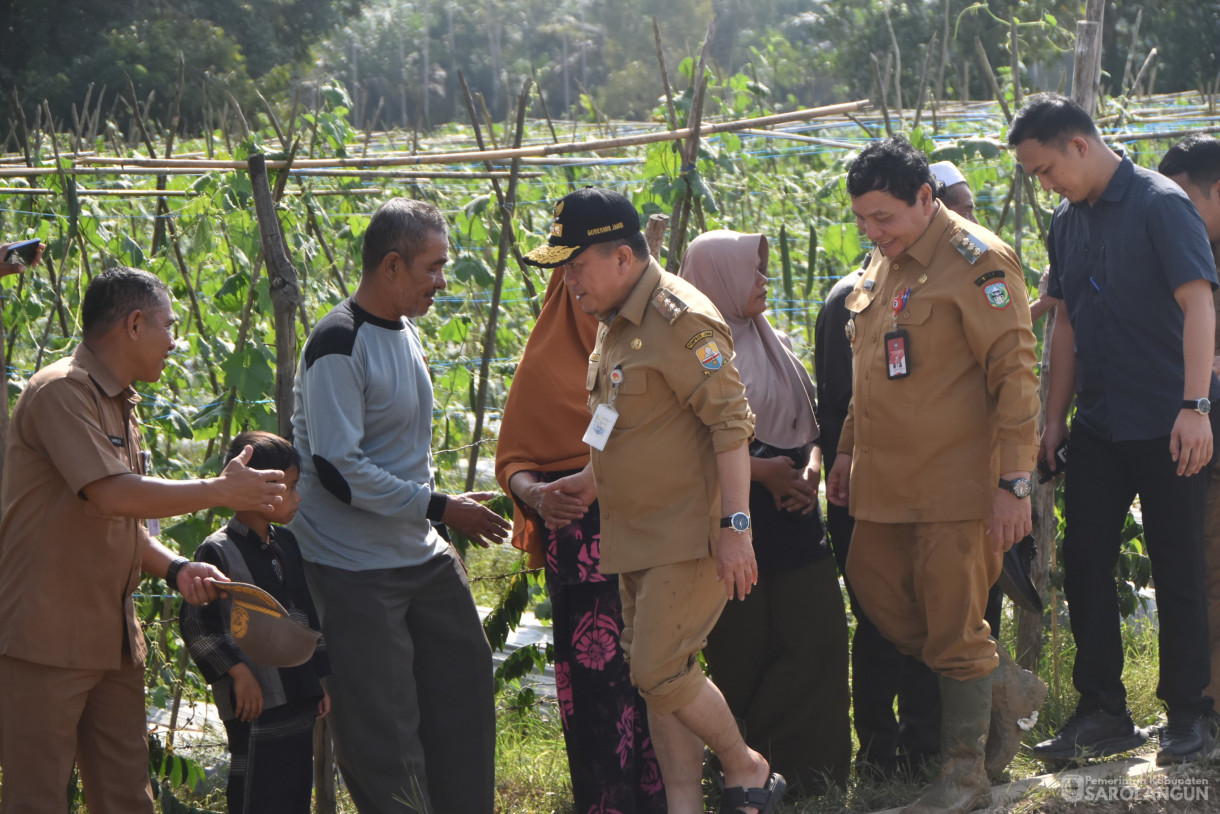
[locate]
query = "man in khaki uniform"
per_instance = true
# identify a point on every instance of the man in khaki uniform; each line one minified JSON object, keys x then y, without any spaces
{"x":936,"y":451}
{"x":670,"y":469}
{"x":72,"y":551}
{"x":1194,"y":165}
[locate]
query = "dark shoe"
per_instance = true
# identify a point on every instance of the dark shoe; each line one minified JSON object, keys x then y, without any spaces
{"x":1187,"y":737}
{"x":1091,"y":735}
{"x":735,"y":799}
{"x":1015,"y":580}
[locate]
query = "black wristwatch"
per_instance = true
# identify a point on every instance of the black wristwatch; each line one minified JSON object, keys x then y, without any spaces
{"x":1200,"y":406}
{"x":171,"y":573}
{"x":1021,"y":487}
{"x":738,"y":522}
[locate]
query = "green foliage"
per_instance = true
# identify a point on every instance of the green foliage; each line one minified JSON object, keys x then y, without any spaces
{"x":1182,"y":31}
{"x":222,"y":379}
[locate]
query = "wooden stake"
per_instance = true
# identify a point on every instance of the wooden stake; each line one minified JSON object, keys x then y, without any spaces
{"x":1086,"y":75}
{"x":489,"y":338}
{"x":991,"y":79}
{"x":654,"y":234}
{"x":530,"y":291}
{"x":677,"y":237}
{"x":669,"y":94}
{"x":923,"y":80}
{"x":880,"y":82}
{"x":285,"y":292}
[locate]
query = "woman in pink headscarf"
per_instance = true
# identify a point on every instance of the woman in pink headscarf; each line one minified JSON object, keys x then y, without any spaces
{"x":779,"y":656}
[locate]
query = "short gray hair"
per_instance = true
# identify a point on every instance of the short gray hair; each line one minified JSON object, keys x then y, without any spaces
{"x":400,"y":225}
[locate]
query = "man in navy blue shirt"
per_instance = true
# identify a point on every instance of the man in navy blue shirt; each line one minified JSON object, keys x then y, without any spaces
{"x":1194,"y":165}
{"x":1132,"y":278}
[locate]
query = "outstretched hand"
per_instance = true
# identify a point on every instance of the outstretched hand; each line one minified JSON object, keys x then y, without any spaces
{"x":467,"y":514}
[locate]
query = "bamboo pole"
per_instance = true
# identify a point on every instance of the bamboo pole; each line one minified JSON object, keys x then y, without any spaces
{"x":1140,"y":75}
{"x":17,"y":172}
{"x":889,"y":25}
{"x":528,"y":281}
{"x":923,"y":80}
{"x":534,"y":150}
{"x":176,"y":247}
{"x":881,"y":83}
{"x":285,"y":292}
{"x":690,"y":156}
{"x":507,"y":207}
{"x":669,"y":94}
{"x":991,"y":78}
{"x":313,"y":225}
{"x":177,"y":193}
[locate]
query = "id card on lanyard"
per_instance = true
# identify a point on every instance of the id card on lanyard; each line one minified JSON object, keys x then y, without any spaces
{"x":605,"y":416}
{"x":897,"y":342}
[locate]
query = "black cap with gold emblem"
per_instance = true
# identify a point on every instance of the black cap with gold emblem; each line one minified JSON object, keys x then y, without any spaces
{"x":582,"y":218}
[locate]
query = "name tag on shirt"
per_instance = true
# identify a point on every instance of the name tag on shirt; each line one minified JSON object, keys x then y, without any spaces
{"x":604,"y":418}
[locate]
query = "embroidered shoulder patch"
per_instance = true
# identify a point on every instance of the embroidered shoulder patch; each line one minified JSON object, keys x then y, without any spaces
{"x":697,"y":338}
{"x":997,"y":295}
{"x":991,"y":275}
{"x":709,"y":356}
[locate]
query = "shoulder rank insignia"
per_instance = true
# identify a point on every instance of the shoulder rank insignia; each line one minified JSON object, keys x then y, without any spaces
{"x":968,"y":246}
{"x":669,"y":304}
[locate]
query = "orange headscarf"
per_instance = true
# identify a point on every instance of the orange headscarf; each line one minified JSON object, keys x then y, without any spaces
{"x":546,"y":412}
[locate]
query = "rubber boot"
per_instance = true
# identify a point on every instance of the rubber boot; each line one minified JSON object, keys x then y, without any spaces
{"x":1016,"y":693}
{"x":965,"y":716}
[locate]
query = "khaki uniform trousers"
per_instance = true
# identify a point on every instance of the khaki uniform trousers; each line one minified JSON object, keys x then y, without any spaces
{"x":925,"y":587}
{"x":668,"y":612}
{"x":1211,"y":555}
{"x":51,"y":715}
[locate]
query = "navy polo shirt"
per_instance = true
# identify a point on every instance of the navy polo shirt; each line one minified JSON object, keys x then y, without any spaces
{"x":1116,"y":265}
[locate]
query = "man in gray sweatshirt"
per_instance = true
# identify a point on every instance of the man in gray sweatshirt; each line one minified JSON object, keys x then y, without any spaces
{"x":412,"y":692}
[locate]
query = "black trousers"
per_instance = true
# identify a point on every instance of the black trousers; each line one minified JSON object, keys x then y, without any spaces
{"x":272,"y":760}
{"x":1102,"y":479}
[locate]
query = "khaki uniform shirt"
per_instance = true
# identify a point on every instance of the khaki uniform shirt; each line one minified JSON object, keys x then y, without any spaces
{"x":680,"y":401}
{"x":66,"y":572}
{"x":930,"y":447}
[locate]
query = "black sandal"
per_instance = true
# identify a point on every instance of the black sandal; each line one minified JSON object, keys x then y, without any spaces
{"x":765,"y":799}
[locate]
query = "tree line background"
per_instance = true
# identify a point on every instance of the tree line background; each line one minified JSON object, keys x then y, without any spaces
{"x":399,"y":59}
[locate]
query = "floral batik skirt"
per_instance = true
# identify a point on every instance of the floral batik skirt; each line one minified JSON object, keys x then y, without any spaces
{"x":605,"y":722}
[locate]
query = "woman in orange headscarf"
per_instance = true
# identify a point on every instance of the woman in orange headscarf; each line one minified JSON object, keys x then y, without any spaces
{"x":605,"y":722}
{"x":779,"y":656}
